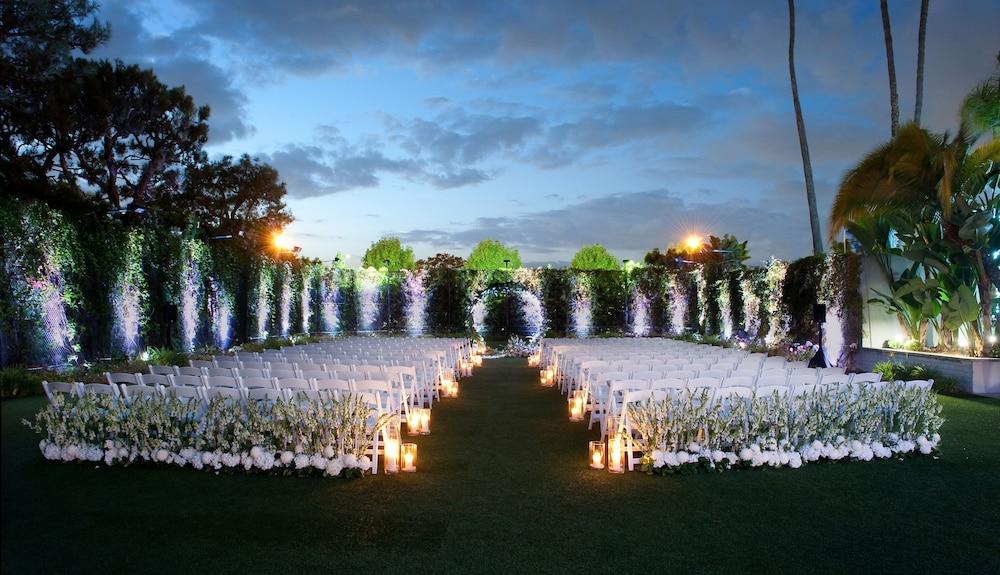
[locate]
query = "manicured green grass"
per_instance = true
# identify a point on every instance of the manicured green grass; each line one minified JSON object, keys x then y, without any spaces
{"x":503,"y":486}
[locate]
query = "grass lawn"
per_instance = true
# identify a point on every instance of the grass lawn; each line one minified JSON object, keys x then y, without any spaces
{"x":503,"y":486}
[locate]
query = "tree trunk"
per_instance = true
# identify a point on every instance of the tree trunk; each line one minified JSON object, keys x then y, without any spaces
{"x":803,"y":143}
{"x":891,"y":61}
{"x":985,"y":299}
{"x":921,"y":41}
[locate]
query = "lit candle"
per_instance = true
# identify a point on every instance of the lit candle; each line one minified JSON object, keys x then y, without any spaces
{"x":391,"y":455}
{"x":576,"y":405}
{"x":413,"y":422}
{"x":615,"y":464}
{"x":409,"y":457}
{"x":425,"y":421}
{"x":597,"y":455}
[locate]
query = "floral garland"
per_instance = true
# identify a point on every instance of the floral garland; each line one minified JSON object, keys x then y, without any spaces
{"x":776,"y":332}
{"x":305,"y":438}
{"x":687,"y":431}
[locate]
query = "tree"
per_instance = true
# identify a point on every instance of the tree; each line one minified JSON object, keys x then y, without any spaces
{"x":817,"y":238}
{"x":145,"y":132}
{"x":391,"y":250}
{"x":921,"y":42}
{"x":493,"y":255}
{"x":941,"y":193}
{"x":595,"y":257}
{"x":37,"y":42}
{"x":891,"y":63}
{"x":441,"y":261}
{"x":235,"y":198}
{"x":109,"y":129}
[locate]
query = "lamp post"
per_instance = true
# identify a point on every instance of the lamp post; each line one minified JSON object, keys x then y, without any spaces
{"x":506,"y":267}
{"x":388,"y":296}
{"x":627,"y":298}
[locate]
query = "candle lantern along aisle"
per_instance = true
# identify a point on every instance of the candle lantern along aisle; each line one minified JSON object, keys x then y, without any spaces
{"x":576,"y":403}
{"x":392,"y":441}
{"x":409,"y":456}
{"x":616,"y":456}
{"x":597,"y":455}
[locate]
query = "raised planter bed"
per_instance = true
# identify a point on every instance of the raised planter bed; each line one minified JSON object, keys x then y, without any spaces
{"x":980,"y":375}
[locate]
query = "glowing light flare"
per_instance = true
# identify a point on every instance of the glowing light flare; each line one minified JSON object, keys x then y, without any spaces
{"x":281,"y":242}
{"x":692,"y":243}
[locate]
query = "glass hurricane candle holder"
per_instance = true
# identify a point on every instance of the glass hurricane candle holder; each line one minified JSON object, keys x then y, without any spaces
{"x":413,"y":422}
{"x":477,"y":360}
{"x":392,"y":441}
{"x":425,"y":421}
{"x":409,"y":456}
{"x":576,"y":401}
{"x":616,"y":455}
{"x":597,"y":455}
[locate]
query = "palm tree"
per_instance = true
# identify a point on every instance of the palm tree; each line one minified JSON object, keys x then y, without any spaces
{"x":921,"y":41}
{"x":817,"y":237}
{"x":890,"y":59}
{"x":945,"y":188}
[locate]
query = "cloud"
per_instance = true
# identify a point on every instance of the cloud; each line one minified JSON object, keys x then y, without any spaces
{"x":178,"y":60}
{"x":633,"y":223}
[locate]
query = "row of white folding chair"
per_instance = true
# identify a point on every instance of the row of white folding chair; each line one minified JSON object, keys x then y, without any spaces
{"x":79,"y":389}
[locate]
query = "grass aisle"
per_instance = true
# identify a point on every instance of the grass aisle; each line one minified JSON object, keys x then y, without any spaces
{"x":503,"y":486}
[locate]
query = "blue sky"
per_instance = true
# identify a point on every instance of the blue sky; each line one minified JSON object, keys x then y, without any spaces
{"x":550,"y":125}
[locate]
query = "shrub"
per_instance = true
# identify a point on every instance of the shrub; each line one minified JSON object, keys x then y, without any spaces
{"x":894,"y":371}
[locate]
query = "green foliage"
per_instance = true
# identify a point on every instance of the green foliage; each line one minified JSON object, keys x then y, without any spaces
{"x":165,"y":356}
{"x":555,"y":296}
{"x":16,"y":381}
{"x":491,"y":255}
{"x":895,"y":371}
{"x":240,"y":199}
{"x":595,"y":257}
{"x":800,"y":290}
{"x":389,"y":250}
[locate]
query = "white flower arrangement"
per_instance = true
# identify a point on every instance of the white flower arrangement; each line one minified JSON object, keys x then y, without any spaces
{"x":322,"y":438}
{"x":859,"y":423}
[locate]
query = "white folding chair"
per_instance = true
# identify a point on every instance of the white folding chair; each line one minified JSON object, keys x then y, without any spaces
{"x":257,"y":383}
{"x":122,"y":378}
{"x":130,"y":392}
{"x":163,"y":370}
{"x":862,"y":378}
{"x":54,"y":388}
{"x":186,"y":381}
{"x":222,"y":381}
{"x":100,"y":389}
{"x":153,"y":379}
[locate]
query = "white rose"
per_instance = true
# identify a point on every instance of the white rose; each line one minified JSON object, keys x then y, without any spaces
{"x":318,"y":461}
{"x":162,"y":455}
{"x":256,"y":452}
{"x":329,"y":452}
{"x":817,"y":445}
{"x":350,"y":461}
{"x":670,"y":459}
{"x":926,"y":448}
{"x":287,"y":457}
{"x":247,"y":462}
{"x":856,"y":446}
{"x":731,"y":458}
{"x":206,"y":458}
{"x":746,"y":454}
{"x":784,"y":458}
{"x":794,"y":460}
{"x":365,"y":463}
{"x":72,"y":451}
{"x":301,"y":461}
{"x":683,"y":457}
{"x":718,"y":456}
{"x":694,"y":447}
